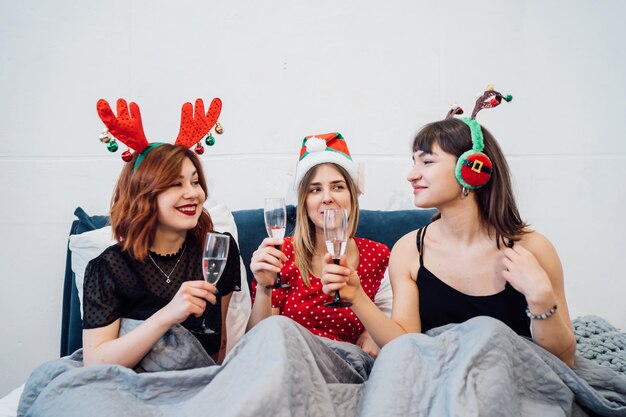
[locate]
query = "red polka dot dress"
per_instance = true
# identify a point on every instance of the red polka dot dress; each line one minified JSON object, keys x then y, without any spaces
{"x":305,"y":305}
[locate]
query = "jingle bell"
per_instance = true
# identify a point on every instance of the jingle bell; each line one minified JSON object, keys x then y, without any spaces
{"x":105,"y":136}
{"x":127,"y":156}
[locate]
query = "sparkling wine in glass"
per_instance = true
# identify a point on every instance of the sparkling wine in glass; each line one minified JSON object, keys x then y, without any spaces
{"x":336,"y":236}
{"x":214,"y":256}
{"x":275,"y":215}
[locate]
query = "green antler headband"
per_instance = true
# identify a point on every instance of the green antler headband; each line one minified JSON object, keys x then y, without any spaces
{"x":474,"y":168}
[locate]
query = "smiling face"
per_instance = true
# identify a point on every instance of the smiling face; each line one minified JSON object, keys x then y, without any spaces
{"x":326,"y":190}
{"x":180,"y":206}
{"x":432,"y":178}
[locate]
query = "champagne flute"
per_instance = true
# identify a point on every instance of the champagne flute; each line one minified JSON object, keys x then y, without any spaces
{"x":275,"y":215}
{"x":214,"y":256}
{"x":336,"y":236}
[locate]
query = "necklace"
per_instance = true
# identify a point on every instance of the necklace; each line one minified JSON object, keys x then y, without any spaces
{"x":167,"y":276}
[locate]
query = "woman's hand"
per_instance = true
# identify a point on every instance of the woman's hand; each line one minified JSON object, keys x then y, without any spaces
{"x":535,"y":270}
{"x":523,"y":272}
{"x":191,"y":298}
{"x":267,"y":261}
{"x":340,"y":277}
{"x":103,"y":345}
{"x":368,"y":345}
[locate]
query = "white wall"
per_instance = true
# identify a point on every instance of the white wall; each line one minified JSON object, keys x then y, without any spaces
{"x":375,"y":71}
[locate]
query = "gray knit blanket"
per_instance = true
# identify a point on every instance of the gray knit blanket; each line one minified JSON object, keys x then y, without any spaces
{"x":599,"y":341}
{"x":477,"y":368}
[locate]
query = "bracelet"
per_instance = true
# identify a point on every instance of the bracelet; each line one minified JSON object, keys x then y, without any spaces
{"x":541,"y":316}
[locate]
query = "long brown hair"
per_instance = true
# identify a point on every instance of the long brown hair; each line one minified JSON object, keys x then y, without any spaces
{"x":496,"y":202}
{"x":304,"y":233}
{"x":134,"y":217}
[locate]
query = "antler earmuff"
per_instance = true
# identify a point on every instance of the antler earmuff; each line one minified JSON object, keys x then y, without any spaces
{"x":474,"y":168}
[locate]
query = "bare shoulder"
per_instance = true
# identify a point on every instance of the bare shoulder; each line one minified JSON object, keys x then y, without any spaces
{"x":537,"y":244}
{"x":545,"y":253}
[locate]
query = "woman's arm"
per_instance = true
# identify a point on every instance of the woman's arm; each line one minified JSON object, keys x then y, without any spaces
{"x":534,"y":269}
{"x":405,"y":314}
{"x":383,"y":300}
{"x":367,"y":344}
{"x":266,"y":262}
{"x":103,"y":346}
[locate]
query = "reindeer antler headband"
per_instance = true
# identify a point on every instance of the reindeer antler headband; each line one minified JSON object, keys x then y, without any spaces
{"x":474,"y":168}
{"x":128,"y":128}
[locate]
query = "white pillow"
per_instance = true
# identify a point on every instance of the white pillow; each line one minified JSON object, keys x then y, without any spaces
{"x":84,"y":248}
{"x":240,"y":304}
{"x":89,"y":245}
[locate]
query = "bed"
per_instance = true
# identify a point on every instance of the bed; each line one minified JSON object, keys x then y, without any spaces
{"x":598,"y":341}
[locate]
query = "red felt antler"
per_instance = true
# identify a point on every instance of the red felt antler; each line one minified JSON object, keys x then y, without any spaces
{"x":194,"y":124}
{"x":127,"y":128}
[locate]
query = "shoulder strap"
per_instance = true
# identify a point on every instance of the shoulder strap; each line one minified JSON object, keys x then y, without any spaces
{"x":421,"y":232}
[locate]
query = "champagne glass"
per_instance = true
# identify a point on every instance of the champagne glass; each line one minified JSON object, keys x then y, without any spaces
{"x":336,"y":236}
{"x":214,"y":256}
{"x":275,"y":215}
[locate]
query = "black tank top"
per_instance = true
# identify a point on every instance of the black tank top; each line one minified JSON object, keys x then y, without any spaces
{"x":441,"y":304}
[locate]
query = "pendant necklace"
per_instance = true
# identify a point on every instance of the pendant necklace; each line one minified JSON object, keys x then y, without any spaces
{"x":167,"y":276}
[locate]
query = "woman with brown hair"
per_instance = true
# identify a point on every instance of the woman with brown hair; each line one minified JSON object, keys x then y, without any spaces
{"x":326,"y":178}
{"x":154,"y":273}
{"x":477,"y":257}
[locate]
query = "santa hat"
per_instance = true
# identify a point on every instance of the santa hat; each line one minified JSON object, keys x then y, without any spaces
{"x":325,"y":148}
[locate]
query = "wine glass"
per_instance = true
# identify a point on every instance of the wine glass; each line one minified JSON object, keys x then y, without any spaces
{"x":336,"y":236}
{"x":214,"y":256}
{"x":275,"y":215}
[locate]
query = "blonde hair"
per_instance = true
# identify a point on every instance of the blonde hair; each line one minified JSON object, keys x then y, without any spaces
{"x":304,"y":233}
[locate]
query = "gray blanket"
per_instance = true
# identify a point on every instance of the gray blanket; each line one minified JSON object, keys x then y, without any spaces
{"x":598,"y":340}
{"x":280,"y":369}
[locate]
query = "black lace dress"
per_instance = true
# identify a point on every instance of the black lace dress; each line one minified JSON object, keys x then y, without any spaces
{"x":117,"y":285}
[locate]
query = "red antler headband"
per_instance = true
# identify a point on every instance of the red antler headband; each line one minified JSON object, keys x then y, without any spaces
{"x":474,"y":168}
{"x":128,"y":128}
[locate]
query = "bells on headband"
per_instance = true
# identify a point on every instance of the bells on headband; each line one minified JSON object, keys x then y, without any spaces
{"x":112,"y":146}
{"x":209,"y":139}
{"x":127,"y":126}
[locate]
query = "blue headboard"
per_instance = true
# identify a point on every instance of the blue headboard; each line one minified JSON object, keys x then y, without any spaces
{"x":381,"y":226}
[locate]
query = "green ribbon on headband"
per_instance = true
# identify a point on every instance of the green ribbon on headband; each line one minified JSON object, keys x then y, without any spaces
{"x":145,"y":152}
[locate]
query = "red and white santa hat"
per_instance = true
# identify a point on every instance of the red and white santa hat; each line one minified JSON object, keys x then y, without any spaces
{"x":325,"y":148}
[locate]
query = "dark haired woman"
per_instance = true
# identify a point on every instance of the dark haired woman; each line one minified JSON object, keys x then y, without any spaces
{"x":477,"y":257}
